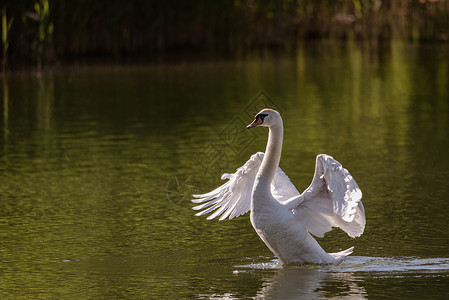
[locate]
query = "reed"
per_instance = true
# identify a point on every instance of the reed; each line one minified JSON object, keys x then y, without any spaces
{"x":6,"y":26}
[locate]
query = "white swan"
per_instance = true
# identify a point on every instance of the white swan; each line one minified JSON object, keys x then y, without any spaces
{"x":282,"y":217}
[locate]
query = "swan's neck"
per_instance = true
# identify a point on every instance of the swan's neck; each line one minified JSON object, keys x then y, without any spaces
{"x":271,"y":159}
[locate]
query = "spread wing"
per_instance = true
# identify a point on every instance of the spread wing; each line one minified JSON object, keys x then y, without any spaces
{"x":233,"y":198}
{"x":333,"y":199}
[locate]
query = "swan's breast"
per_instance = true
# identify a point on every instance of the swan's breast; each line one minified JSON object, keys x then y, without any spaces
{"x":286,"y":236}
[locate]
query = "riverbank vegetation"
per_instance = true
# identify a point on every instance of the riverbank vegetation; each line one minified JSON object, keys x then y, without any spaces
{"x":43,"y":32}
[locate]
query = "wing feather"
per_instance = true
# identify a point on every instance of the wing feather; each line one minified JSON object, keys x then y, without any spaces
{"x":333,"y":199}
{"x":233,"y":198}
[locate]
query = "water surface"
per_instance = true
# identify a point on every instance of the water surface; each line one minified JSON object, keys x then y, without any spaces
{"x":97,"y":166}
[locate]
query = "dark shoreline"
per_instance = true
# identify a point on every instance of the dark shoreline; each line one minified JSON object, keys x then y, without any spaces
{"x":48,"y":33}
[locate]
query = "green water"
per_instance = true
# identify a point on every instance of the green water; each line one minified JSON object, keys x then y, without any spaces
{"x":97,"y":166}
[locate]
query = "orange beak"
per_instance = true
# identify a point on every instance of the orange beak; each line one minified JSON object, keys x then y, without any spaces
{"x":255,"y":123}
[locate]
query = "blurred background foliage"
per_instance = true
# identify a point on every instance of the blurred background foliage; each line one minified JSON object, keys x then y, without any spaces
{"x":47,"y":31}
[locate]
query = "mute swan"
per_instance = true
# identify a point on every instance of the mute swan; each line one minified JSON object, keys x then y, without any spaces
{"x":283,"y":218}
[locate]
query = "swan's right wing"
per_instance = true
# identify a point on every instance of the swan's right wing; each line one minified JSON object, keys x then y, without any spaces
{"x":282,"y":189}
{"x":233,"y":198}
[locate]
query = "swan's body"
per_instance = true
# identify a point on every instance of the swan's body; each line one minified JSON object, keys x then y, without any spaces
{"x":282,"y":217}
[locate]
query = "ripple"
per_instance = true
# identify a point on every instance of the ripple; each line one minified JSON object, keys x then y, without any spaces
{"x":369,"y":264}
{"x":393,"y":264}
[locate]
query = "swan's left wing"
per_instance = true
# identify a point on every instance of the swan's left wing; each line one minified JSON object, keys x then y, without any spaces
{"x":332,"y":200}
{"x":233,"y":198}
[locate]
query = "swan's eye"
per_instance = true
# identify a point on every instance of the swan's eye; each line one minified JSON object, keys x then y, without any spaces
{"x":260,"y":117}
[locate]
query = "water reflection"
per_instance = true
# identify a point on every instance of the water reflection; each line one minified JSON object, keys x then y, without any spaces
{"x":5,"y":124}
{"x":301,"y":283}
{"x":346,"y":280}
{"x":311,"y":284}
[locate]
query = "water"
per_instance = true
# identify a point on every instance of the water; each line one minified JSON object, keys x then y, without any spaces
{"x":97,"y":165}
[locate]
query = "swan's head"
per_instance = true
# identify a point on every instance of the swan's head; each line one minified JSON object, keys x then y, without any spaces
{"x":266,"y":117}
